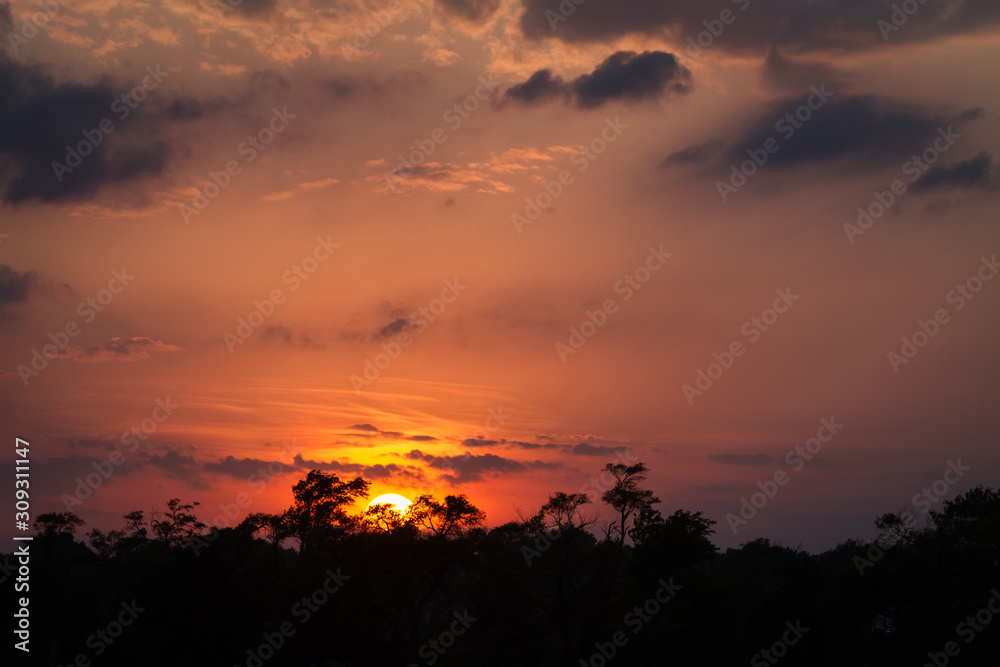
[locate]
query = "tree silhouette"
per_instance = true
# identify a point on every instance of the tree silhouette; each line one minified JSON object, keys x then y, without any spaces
{"x":543,"y":590}
{"x":626,"y":497}
{"x":318,"y":513}
{"x":177,"y":525}
{"x":384,"y":517}
{"x":444,"y":519}
{"x":52,"y":524}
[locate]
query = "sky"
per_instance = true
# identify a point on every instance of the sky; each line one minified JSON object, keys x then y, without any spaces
{"x":488,"y":246}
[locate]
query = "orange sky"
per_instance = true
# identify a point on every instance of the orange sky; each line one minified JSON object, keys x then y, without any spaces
{"x":343,"y":192}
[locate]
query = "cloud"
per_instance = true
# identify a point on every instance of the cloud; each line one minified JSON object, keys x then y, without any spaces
{"x":623,"y":76}
{"x":860,"y":131}
{"x":17,"y":286}
{"x":396,"y":326}
{"x":509,"y":444}
{"x":540,"y":87}
{"x":376,"y":471}
{"x":63,"y":474}
{"x":244,"y":468}
{"x":756,"y":25}
{"x":120,"y":349}
{"x":694,"y":155}
{"x":42,"y":117}
{"x":976,"y":172}
{"x":475,"y":467}
{"x":286,"y":336}
{"x":177,"y":466}
{"x":254,"y":9}
{"x":6,"y":22}
{"x":783,"y":74}
{"x":422,"y":438}
{"x":470,"y":10}
{"x":300,"y":188}
{"x":364,"y":427}
{"x":742,"y":459}
{"x":586,"y":449}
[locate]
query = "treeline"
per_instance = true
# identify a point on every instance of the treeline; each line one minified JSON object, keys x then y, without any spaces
{"x":318,"y":585}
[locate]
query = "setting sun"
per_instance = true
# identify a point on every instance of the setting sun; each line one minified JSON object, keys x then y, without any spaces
{"x":398,"y":502}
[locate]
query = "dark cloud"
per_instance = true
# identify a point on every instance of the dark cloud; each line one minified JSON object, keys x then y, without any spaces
{"x":756,"y":25}
{"x":864,"y":129}
{"x":17,"y":286}
{"x":244,"y":468}
{"x":364,"y":427}
{"x":267,"y":80}
{"x":470,"y":10}
{"x":477,"y":442}
{"x":587,"y":449}
{"x":279,"y":334}
{"x":287,"y":336}
{"x":856,"y":132}
{"x":786,"y":75}
{"x":624,"y":76}
{"x":396,"y":326}
{"x":255,"y":9}
{"x":510,"y":444}
{"x":630,"y":77}
{"x":540,"y":87}
{"x":422,"y":438}
{"x":742,"y":459}
{"x":43,"y":117}
{"x":976,"y":172}
{"x":474,"y":467}
{"x":377,"y":471}
{"x":694,"y":155}
{"x":64,"y":474}
{"x":120,"y":349}
{"x":177,"y":466}
{"x":340,"y":87}
{"x":6,"y":22}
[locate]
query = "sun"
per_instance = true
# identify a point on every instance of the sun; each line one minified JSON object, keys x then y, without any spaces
{"x":398,"y":502}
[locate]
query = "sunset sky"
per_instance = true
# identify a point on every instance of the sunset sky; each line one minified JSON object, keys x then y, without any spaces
{"x":488,"y":246}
